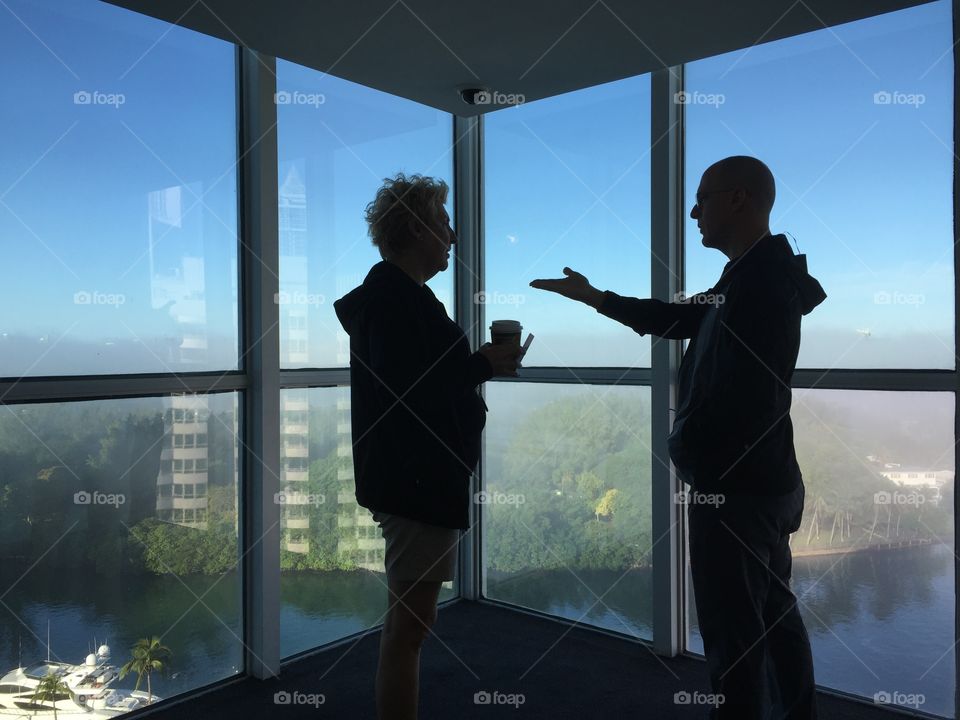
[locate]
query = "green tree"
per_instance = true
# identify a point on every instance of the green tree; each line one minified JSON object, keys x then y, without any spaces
{"x":149,"y":656}
{"x":51,"y":689}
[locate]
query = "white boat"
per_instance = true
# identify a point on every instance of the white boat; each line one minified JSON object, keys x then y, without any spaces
{"x":90,"y":695}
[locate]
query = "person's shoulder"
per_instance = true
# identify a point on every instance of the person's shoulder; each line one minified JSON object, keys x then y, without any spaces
{"x":763,"y":290}
{"x":388,"y":306}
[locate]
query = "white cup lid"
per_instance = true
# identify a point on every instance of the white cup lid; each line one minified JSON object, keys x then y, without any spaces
{"x":506,"y":326}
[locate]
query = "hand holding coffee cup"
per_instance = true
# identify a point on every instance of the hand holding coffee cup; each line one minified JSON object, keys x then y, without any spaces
{"x":504,"y":352}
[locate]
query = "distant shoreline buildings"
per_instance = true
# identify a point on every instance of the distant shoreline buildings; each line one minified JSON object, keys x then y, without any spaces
{"x":926,"y":480}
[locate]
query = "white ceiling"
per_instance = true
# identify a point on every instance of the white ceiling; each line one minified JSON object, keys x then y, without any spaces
{"x":426,"y":50}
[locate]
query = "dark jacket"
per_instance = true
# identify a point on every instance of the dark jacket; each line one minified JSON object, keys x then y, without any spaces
{"x":415,"y":411}
{"x":732,"y":431}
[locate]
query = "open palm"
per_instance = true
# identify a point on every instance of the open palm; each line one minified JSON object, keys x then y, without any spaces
{"x":574,"y":286}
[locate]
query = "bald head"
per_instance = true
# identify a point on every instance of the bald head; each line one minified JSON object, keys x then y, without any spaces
{"x":743,"y":171}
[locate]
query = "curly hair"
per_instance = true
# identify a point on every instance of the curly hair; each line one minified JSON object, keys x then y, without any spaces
{"x":399,"y":201}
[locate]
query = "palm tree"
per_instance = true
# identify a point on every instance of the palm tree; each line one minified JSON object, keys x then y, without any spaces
{"x":148,"y":656}
{"x":51,"y":688}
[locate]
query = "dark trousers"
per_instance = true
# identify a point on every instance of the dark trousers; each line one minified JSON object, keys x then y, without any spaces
{"x":757,"y":649}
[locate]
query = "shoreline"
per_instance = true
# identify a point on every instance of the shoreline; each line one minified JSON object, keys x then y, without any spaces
{"x":876,"y":547}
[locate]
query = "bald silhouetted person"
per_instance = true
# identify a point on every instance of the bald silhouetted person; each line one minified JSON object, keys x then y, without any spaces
{"x":732,"y":440}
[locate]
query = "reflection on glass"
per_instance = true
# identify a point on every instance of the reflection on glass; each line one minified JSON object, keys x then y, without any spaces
{"x":119,"y":523}
{"x":337,"y":142}
{"x":118,"y":192}
{"x":863,"y":166}
{"x":873,"y":559}
{"x":332,"y":580}
{"x":568,"y":184}
{"x":566,"y":503}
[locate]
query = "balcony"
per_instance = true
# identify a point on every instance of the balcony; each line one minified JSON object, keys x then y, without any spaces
{"x":302,"y":546}
{"x":294,"y":476}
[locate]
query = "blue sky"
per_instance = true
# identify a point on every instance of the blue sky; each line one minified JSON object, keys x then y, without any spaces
{"x":864,"y":188}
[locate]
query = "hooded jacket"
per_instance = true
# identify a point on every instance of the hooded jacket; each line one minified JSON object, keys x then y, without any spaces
{"x":732,"y":431}
{"x":415,"y":412}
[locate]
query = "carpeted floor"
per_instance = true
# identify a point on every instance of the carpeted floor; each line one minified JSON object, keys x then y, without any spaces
{"x":560,"y":672}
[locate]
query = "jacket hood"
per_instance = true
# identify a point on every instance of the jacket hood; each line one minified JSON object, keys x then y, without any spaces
{"x":384,"y":279}
{"x":811,"y":291}
{"x":775,"y":249}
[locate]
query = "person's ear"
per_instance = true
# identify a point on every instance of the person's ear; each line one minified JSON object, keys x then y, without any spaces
{"x":738,"y":199}
{"x":414,"y":227}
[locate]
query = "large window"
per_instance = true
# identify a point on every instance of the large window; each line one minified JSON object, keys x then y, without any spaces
{"x":119,"y":518}
{"x":111,"y":532}
{"x":118,"y":192}
{"x":863,"y":168}
{"x":856,"y":124}
{"x":337,"y":142}
{"x":566,"y":502}
{"x":568,"y":184}
{"x":331,"y":553}
{"x":873,"y":562}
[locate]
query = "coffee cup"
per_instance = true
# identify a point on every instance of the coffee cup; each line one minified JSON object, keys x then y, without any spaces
{"x":505,"y":332}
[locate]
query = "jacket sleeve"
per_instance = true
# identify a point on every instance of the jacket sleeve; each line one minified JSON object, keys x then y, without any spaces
{"x":669,"y":320}
{"x":478,"y":370}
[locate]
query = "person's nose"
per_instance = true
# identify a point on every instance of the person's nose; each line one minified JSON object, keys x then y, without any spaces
{"x":695,"y":212}
{"x":452,"y":235}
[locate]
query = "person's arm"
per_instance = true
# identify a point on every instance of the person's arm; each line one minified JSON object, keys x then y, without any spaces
{"x":670,"y":320}
{"x":479,"y":369}
{"x":403,"y":368}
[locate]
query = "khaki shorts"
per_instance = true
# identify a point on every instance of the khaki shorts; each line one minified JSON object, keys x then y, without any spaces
{"x":416,"y":551}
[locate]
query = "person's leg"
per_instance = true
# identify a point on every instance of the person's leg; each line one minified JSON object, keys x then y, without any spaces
{"x":412,"y":612}
{"x":730,"y":583}
{"x":788,"y":645}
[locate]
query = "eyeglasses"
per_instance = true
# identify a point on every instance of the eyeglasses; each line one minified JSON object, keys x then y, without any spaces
{"x":704,"y":195}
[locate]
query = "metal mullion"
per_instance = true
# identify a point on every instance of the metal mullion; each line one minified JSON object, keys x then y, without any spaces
{"x":909,"y":380}
{"x":468,"y":281}
{"x":956,"y":337}
{"x":96,"y":387}
{"x":100,"y":387}
{"x":587,"y":375}
{"x":260,"y":531}
{"x":319,"y":377}
{"x":666,"y":228}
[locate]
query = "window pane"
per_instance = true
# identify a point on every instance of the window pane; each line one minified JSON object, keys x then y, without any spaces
{"x":337,"y":142}
{"x":103,"y":534}
{"x":568,"y":184}
{"x":856,"y":124}
{"x":873,"y":560}
{"x":332,"y":579}
{"x":566,"y":505}
{"x":117,"y":193}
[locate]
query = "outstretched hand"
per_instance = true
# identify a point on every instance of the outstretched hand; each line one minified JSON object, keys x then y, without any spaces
{"x":574,"y":286}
